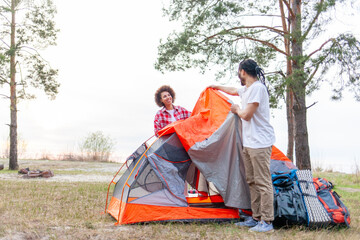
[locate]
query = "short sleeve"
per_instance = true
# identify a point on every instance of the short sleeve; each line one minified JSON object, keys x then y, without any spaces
{"x":256,"y":94}
{"x":241,"y":91}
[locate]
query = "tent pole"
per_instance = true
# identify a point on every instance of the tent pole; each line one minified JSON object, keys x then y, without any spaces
{"x":126,"y":182}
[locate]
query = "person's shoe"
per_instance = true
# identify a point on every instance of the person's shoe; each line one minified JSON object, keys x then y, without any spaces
{"x":249,"y":222}
{"x":262,"y":227}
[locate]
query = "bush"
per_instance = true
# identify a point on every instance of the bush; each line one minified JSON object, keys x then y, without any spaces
{"x":97,"y":147}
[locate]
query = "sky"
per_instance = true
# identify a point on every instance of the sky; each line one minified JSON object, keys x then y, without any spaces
{"x":105,"y":54}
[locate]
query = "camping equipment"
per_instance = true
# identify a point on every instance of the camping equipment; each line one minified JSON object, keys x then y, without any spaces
{"x":330,"y":199}
{"x":317,"y":216}
{"x":289,"y":208}
{"x":203,"y":151}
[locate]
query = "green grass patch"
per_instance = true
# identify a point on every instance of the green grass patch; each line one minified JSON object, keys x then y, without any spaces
{"x":72,"y":210}
{"x":341,"y":179}
{"x":7,"y":171}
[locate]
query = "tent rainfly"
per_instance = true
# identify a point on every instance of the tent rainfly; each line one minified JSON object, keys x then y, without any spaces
{"x":204,"y":152}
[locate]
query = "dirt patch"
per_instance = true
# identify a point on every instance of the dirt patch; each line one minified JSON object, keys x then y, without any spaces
{"x":60,"y":178}
{"x":352,"y":190}
{"x":72,"y":171}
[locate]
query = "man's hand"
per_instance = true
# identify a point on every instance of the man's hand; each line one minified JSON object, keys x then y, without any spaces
{"x":246,"y":113}
{"x":235,"y":109}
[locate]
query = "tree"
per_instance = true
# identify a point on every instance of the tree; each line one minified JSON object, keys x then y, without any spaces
{"x":27,"y":27}
{"x":217,"y":35}
{"x":97,"y":146}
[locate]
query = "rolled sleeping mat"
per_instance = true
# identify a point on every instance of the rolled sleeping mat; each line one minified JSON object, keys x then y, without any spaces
{"x":317,"y":214}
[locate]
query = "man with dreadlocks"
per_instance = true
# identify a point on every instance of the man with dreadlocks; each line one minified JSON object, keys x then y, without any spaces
{"x":258,"y":138}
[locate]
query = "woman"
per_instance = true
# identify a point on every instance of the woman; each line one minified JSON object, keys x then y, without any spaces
{"x":165,"y":97}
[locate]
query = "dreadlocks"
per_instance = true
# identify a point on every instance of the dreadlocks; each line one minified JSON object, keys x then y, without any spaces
{"x":253,"y":69}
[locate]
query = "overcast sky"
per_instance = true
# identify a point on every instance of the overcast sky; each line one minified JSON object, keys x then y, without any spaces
{"x":105,"y":55}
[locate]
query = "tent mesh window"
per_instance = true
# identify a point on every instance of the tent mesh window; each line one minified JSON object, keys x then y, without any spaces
{"x":147,"y":182}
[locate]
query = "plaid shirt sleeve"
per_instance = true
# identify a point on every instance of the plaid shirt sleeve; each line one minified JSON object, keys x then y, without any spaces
{"x":162,"y":118}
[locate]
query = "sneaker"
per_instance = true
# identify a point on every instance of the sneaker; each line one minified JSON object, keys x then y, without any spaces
{"x":262,"y":227}
{"x":249,"y":222}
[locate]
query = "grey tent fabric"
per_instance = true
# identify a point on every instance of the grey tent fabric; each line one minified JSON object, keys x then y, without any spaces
{"x":162,"y":172}
{"x":171,"y":163}
{"x":280,"y":166}
{"x":220,"y":159}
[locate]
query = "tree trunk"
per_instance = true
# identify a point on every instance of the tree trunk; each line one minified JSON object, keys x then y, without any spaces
{"x":290,"y":122}
{"x":286,"y":22}
{"x":13,"y":158}
{"x":302,"y":152}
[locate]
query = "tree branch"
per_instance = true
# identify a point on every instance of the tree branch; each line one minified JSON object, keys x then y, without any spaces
{"x":313,"y":74}
{"x":259,"y":15}
{"x":311,"y":105}
{"x":313,"y":21}
{"x":7,"y":3}
{"x":5,"y":18}
{"x":5,"y":43}
{"x":264,"y":43}
{"x":322,"y":45}
{"x":253,"y":39}
{"x":4,"y":96}
{"x":286,"y":40}
{"x":276,"y":72}
{"x":204,"y":9}
{"x":36,"y":52}
{"x":4,"y":80}
{"x":287,"y":4}
{"x":272,"y":29}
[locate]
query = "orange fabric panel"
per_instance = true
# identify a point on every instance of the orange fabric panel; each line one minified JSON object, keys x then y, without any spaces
{"x":113,"y":207}
{"x":276,"y":154}
{"x":207,"y":199}
{"x":135,"y":213}
{"x":207,"y":116}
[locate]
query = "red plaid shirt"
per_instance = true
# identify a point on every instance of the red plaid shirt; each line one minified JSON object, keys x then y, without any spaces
{"x":163,"y":118}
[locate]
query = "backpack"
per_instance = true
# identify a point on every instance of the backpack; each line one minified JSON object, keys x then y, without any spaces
{"x":336,"y":209}
{"x":289,"y":208}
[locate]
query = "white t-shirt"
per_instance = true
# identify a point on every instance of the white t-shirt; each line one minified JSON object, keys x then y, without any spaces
{"x":171,"y":112}
{"x":257,"y":133}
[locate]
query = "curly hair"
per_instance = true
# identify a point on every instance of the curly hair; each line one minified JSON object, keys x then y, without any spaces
{"x":164,"y":88}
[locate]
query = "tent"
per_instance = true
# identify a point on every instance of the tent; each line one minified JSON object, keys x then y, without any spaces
{"x":204,"y":152}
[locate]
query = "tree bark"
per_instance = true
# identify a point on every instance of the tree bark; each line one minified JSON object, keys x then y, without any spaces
{"x":13,"y":157}
{"x":302,"y":152}
{"x":289,"y":93}
{"x":290,"y":122}
{"x":289,"y":108}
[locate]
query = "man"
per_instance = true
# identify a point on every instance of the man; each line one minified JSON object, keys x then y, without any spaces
{"x":258,"y":138}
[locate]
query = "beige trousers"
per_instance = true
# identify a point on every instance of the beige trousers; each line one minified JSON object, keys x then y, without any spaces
{"x":257,"y":169}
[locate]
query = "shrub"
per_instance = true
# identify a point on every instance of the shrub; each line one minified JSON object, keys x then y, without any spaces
{"x":97,"y":147}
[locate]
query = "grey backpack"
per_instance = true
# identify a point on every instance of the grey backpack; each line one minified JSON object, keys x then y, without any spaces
{"x":289,"y":207}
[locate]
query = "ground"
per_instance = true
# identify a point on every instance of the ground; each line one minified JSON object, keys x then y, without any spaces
{"x":70,"y":205}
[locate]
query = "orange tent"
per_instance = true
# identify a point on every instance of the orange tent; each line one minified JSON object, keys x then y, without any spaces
{"x":203,"y":152}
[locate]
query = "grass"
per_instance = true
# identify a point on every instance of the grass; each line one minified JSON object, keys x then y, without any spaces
{"x":340,"y":179}
{"x":58,"y":210}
